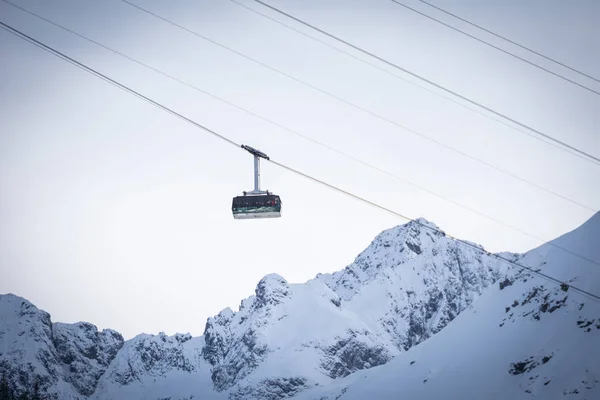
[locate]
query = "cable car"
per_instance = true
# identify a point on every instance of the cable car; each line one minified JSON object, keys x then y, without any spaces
{"x":256,"y":206}
{"x":257,"y":203}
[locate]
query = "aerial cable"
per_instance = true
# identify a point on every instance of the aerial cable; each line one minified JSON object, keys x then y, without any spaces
{"x":111,"y":81}
{"x":496,"y":47}
{"x":590,"y":157}
{"x":472,"y":245}
{"x":98,"y":74}
{"x":473,"y":109}
{"x":357,"y":160}
{"x":356,"y":106}
{"x":387,"y":71}
{"x":511,"y":41}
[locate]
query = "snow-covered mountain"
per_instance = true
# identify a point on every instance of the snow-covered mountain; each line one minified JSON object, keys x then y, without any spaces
{"x":523,"y":338}
{"x":416,"y":314}
{"x":66,"y":360}
{"x":407,"y":285}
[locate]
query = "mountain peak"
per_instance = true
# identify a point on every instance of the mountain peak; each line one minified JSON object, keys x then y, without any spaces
{"x":424,"y":222}
{"x":274,"y":278}
{"x":271,"y":289}
{"x":414,"y":228}
{"x":21,"y":307}
{"x":393,"y":251}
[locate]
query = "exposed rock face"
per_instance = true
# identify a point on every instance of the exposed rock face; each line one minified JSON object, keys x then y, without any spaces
{"x":35,"y":350}
{"x":270,"y":389}
{"x":147,"y":358}
{"x":271,"y":291}
{"x":232,"y":343}
{"x":149,"y":355}
{"x":27,"y":353}
{"x":351,"y":354}
{"x":157,"y":367}
{"x":85,"y":352}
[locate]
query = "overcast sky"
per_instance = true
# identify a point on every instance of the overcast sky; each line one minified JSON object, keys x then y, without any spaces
{"x":117,"y":213}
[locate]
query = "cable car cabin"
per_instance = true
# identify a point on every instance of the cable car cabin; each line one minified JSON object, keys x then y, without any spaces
{"x":257,"y":206}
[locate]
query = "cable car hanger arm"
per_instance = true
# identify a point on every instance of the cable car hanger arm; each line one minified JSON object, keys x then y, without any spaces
{"x":255,"y":152}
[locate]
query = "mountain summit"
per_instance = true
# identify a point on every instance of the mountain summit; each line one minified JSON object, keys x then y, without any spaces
{"x":413,"y":296}
{"x":406,"y":286}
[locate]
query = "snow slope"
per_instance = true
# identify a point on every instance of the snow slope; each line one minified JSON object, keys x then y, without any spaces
{"x":406,"y":286}
{"x":416,"y":315}
{"x":158,"y":367}
{"x":523,"y":339}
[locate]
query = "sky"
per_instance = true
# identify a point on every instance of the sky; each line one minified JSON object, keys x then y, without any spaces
{"x":117,"y":213}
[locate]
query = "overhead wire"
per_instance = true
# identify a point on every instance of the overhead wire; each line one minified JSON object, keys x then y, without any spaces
{"x":137,"y":94}
{"x":356,"y":106}
{"x":511,"y":41}
{"x":497,"y":47}
{"x":111,"y":81}
{"x":387,"y":71}
{"x":283,"y":127}
{"x":439,"y":231}
{"x":589,"y":157}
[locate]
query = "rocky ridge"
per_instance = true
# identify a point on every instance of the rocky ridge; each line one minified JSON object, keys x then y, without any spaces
{"x":402,"y":289}
{"x":66,"y":360}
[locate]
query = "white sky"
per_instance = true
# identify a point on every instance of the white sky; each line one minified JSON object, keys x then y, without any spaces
{"x":117,"y":213}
